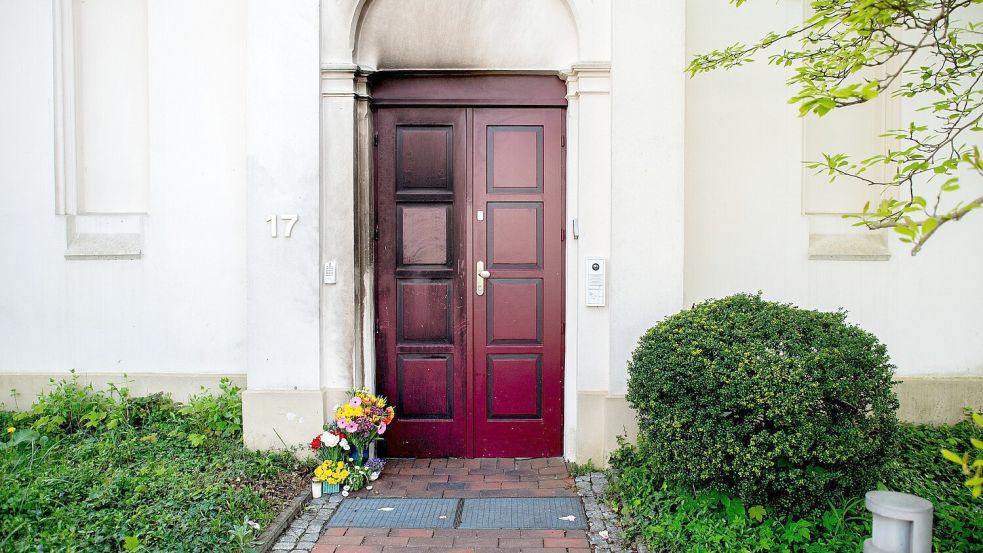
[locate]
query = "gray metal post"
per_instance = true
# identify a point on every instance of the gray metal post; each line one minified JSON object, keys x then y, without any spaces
{"x":902,"y":523}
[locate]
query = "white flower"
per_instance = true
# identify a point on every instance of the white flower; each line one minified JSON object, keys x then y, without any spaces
{"x":346,"y":488}
{"x":368,"y":487}
{"x":329,"y":439}
{"x":344,"y":494}
{"x":344,"y":444}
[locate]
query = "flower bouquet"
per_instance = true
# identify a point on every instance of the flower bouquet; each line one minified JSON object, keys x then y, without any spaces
{"x":331,"y":474}
{"x":363,"y":420}
{"x":331,"y":447}
{"x":360,"y":475}
{"x":343,"y":447}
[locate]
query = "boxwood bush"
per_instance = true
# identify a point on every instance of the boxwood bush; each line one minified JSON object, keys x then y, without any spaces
{"x":773,"y":404}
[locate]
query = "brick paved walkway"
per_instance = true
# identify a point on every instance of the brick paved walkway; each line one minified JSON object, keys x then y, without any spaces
{"x":468,"y":478}
{"x":418,"y":540}
{"x":462,"y":478}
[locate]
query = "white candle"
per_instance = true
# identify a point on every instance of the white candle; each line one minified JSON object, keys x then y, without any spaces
{"x":316,"y":488}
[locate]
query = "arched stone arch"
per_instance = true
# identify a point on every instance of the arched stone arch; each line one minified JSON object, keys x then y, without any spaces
{"x":465,"y":34}
{"x":569,"y":38}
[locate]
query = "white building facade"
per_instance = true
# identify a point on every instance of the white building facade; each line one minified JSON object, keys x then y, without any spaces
{"x":178,"y":177}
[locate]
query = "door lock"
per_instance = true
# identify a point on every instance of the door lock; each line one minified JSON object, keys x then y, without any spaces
{"x":481,"y":274}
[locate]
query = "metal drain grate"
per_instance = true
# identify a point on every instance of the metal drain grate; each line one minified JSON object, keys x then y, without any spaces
{"x":524,"y":512}
{"x":395,"y":513}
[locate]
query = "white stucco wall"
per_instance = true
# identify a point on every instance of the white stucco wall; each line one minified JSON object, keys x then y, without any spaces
{"x":690,"y":188}
{"x":647,"y":95}
{"x":181,"y":307}
{"x":745,"y":227}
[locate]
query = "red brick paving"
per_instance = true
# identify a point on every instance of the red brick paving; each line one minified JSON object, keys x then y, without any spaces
{"x":470,"y":478}
{"x":463,"y":478}
{"x":441,"y":540}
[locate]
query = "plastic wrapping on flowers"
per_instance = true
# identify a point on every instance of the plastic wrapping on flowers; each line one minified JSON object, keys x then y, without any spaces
{"x":357,"y":424}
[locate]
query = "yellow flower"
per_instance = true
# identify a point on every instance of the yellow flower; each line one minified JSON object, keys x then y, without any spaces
{"x":10,"y":430}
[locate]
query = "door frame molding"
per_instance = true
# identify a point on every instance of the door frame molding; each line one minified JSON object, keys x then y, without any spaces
{"x":472,"y":89}
{"x":588,"y":128}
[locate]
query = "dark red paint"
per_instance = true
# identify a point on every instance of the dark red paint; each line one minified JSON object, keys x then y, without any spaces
{"x":475,"y":376}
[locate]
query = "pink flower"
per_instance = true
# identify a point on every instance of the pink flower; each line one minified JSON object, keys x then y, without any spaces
{"x":382,"y":428}
{"x":353,"y":427}
{"x":356,"y":401}
{"x":342,"y":422}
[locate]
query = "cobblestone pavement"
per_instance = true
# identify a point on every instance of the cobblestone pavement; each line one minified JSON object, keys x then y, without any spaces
{"x":462,"y":478}
{"x":605,"y":534}
{"x":304,"y":531}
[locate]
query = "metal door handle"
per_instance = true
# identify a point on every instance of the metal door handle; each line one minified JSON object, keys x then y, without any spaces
{"x":482,"y":274}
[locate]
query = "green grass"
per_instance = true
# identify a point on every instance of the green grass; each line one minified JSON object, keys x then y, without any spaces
{"x":582,"y":469}
{"x":139,"y":483}
{"x":671,"y":519}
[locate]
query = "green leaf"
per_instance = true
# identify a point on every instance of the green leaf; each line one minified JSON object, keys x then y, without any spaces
{"x":131,"y":543}
{"x":954,"y":457}
{"x":757,"y":513}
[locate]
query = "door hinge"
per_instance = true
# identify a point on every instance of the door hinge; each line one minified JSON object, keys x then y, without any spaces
{"x":563,"y":234}
{"x":563,"y":327}
{"x":375,"y":139}
{"x":563,"y":141}
{"x":378,"y":329}
{"x":375,"y":233}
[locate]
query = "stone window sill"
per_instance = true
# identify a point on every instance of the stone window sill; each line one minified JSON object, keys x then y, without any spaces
{"x":849,"y":247}
{"x":104,"y":237}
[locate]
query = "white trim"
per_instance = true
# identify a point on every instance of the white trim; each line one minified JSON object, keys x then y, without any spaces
{"x":65,"y":132}
{"x":592,"y":78}
{"x":88,"y":236}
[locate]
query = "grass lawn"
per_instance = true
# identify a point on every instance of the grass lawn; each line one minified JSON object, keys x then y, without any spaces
{"x":671,"y":520}
{"x":105,"y":472}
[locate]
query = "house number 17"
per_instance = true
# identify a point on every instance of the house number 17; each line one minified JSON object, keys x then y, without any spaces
{"x":290,"y":220}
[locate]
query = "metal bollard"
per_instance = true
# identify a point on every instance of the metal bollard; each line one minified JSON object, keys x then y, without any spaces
{"x":902,"y":523}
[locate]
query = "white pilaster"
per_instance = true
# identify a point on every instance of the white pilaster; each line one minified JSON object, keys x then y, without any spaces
{"x":283,"y":317}
{"x":589,"y":203}
{"x":338,"y":303}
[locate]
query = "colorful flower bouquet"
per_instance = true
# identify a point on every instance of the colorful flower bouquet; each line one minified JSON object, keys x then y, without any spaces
{"x":344,"y":444}
{"x":331,"y":474}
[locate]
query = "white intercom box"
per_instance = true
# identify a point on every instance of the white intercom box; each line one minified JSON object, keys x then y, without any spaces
{"x":596,"y":281}
{"x":330,"y":272}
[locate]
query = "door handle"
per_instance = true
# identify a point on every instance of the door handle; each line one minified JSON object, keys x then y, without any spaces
{"x":481,"y":274}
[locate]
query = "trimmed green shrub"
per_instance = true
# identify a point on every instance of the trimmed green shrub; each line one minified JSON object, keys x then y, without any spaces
{"x":770,"y":403}
{"x":668,"y":518}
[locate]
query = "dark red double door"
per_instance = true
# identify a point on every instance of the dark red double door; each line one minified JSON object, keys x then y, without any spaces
{"x":469,"y":279}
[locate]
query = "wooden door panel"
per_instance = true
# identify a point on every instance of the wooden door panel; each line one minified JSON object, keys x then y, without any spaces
{"x":471,"y":375}
{"x":514,"y":311}
{"x":424,"y":234}
{"x":516,"y":238}
{"x":421,"y":202}
{"x":518,"y":340}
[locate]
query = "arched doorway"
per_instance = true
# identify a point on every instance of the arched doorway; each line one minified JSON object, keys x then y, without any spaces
{"x":476,"y":373}
{"x":469,"y":233}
